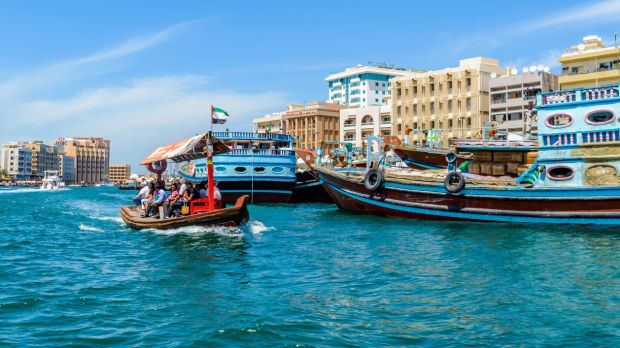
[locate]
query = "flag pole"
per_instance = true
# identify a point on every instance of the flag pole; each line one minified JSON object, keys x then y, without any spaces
{"x":210,"y":185}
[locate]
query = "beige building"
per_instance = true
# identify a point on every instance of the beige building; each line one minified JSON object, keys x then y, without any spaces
{"x":590,"y":63}
{"x":271,"y":123}
{"x":313,"y":123}
{"x":455,"y":100}
{"x":92,"y":158}
{"x":119,"y":173}
{"x":44,"y":157}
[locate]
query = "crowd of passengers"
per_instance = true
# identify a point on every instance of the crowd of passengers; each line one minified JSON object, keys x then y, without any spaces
{"x":176,"y":202}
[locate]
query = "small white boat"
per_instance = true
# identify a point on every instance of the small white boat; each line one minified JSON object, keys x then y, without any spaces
{"x":51,"y":181}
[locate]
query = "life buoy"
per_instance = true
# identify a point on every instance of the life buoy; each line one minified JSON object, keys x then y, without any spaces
{"x":373,"y":180}
{"x":157,"y":167}
{"x":492,"y":132}
{"x":454,"y":182}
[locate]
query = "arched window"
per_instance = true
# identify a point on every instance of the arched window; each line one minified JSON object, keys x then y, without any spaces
{"x":367,"y":119}
{"x":559,"y":120}
{"x":599,"y":117}
{"x":560,"y":172}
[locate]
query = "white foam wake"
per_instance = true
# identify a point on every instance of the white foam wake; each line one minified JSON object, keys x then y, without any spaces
{"x":84,"y":227}
{"x":257,"y":227}
{"x":199,"y":230}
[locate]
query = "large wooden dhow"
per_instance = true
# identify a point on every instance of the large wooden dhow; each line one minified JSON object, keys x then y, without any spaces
{"x":573,"y":180}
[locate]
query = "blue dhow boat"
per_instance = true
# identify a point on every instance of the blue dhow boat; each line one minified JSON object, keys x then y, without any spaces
{"x":261,"y":165}
{"x":573,"y":178}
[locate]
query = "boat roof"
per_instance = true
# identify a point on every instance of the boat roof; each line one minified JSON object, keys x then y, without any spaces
{"x":496,"y":145}
{"x":186,"y":150}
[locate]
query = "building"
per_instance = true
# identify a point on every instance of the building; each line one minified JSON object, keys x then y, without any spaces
{"x":313,"y":123}
{"x":44,"y":157}
{"x":356,"y":124}
{"x":119,"y":173}
{"x":66,"y":168}
{"x":510,"y":95}
{"x":362,"y":86}
{"x":271,"y":123}
{"x":590,"y":63}
{"x":16,"y":160}
{"x":92,"y":158}
{"x":453,"y":100}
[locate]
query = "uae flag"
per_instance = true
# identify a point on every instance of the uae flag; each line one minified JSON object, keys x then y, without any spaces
{"x":218,"y":116}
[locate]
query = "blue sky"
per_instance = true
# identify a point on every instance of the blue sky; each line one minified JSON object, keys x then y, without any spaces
{"x":143,"y":73}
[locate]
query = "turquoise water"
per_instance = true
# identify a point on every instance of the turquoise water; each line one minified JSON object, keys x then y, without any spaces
{"x":298,"y":275}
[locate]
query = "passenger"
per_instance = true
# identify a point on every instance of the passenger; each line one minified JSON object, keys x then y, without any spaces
{"x":148,"y":198}
{"x":188,"y":196}
{"x":172,"y":202}
{"x":159,"y":198}
{"x":144,"y":190}
{"x":183,"y":188}
{"x":203,"y":189}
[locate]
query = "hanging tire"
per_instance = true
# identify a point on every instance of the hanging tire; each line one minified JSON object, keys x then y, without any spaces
{"x":454,"y":182}
{"x":373,"y":180}
{"x":451,"y":157}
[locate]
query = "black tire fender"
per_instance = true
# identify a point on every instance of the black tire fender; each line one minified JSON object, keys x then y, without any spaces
{"x":454,"y":182}
{"x":373,"y":180}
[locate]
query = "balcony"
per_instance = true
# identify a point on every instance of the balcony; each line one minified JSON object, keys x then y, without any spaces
{"x":367,"y":125}
{"x":579,"y":95}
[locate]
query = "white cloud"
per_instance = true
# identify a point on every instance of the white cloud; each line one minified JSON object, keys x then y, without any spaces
{"x":600,"y":11}
{"x":139,"y":115}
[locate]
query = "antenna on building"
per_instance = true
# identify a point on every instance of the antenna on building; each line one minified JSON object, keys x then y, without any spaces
{"x":615,"y":39}
{"x":493,"y":75}
{"x":532,"y":69}
{"x":546,"y":68}
{"x":524,"y":70}
{"x":513,"y":71}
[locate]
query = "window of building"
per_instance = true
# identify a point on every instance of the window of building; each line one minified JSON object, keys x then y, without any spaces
{"x":383,"y":92}
{"x":432,"y":107}
{"x":376,"y":100}
{"x":355,"y":100}
{"x":515,"y":95}
{"x":377,"y":84}
{"x":468,"y":104}
{"x":450,"y":124}
{"x":364,"y":83}
{"x":468,"y":122}
{"x":415,"y":125}
{"x":449,"y":105}
{"x":432,"y":124}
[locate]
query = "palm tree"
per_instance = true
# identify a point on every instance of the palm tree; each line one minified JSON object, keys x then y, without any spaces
{"x":3,"y":174}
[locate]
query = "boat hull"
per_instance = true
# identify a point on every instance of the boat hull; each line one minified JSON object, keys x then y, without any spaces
{"x":422,"y":158}
{"x":234,"y":216}
{"x":599,"y":205}
{"x":309,"y":188}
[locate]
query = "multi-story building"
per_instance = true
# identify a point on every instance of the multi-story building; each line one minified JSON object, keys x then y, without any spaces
{"x":313,"y":123}
{"x":271,"y":123}
{"x":66,"y":168}
{"x":356,"y":124}
{"x":510,"y":95}
{"x":44,"y":157}
{"x":16,"y":160}
{"x":92,"y":158}
{"x":362,"y":86}
{"x":119,"y":173}
{"x":590,"y":63}
{"x":453,"y":100}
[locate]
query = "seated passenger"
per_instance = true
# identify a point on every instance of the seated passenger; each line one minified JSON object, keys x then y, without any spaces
{"x":203,"y":189}
{"x":144,"y":190}
{"x":173,"y":201}
{"x":148,"y":198}
{"x":189,"y":194}
{"x":159,"y":198}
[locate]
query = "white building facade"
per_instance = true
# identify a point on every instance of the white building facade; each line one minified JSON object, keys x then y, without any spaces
{"x":16,"y":160}
{"x":356,"y":124}
{"x":271,"y":123}
{"x":362,"y":86}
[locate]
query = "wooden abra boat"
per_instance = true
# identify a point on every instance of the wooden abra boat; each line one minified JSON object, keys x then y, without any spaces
{"x":573,"y":178}
{"x":234,"y":216}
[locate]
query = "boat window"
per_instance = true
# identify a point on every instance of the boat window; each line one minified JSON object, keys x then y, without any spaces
{"x":259,"y":169}
{"x":241,"y":170}
{"x":560,"y":173}
{"x":220,"y":169}
{"x":277,"y":170}
{"x":559,"y":120}
{"x":600,"y":117}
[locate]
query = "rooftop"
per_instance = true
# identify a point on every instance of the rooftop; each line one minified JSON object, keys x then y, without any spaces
{"x":362,"y":69}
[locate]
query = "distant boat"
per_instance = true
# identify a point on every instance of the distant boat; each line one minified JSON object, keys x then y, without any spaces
{"x":51,"y":181}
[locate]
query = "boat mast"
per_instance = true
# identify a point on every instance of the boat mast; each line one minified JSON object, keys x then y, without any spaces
{"x":210,"y":185}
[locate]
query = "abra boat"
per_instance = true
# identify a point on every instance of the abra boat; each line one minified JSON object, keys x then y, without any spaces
{"x":230,"y":217}
{"x":573,"y":179}
{"x":260,"y":165}
{"x":202,"y":212}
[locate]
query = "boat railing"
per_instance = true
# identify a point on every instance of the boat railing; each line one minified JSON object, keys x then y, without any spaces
{"x":579,"y":95}
{"x":577,"y":138}
{"x":262,"y":152}
{"x":253,"y":136}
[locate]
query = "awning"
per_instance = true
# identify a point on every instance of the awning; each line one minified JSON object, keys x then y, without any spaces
{"x":186,"y":150}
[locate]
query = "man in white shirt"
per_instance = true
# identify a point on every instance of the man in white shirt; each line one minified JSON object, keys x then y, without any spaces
{"x":142,"y":194}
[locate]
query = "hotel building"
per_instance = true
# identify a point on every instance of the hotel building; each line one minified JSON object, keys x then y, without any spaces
{"x":44,"y":157}
{"x":590,"y":63}
{"x":313,"y":123}
{"x":362,"y":86}
{"x":16,"y":160}
{"x":356,"y":124}
{"x":92,"y":158}
{"x":66,"y":168}
{"x":271,"y":123}
{"x":119,"y":173}
{"x":510,"y":95}
{"x":455,"y":100}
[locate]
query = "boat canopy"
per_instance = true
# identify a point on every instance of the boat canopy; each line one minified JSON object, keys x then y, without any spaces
{"x":186,"y":150}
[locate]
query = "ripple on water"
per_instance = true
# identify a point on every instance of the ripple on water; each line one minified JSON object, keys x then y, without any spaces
{"x":301,"y":274}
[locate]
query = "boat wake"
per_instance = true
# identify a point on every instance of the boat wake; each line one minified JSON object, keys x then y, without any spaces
{"x":199,"y":231}
{"x":257,"y":227}
{"x":30,"y":190}
{"x":84,"y":227}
